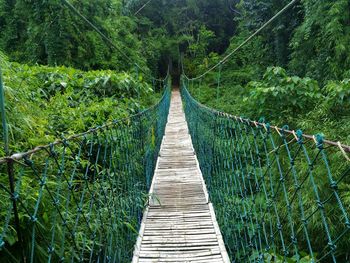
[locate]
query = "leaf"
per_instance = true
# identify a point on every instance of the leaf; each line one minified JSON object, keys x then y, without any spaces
{"x":129,"y":226}
{"x":11,"y":239}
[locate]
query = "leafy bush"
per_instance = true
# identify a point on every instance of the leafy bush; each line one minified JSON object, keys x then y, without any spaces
{"x":278,"y":94}
{"x":42,"y":103}
{"x":338,"y":96}
{"x":282,"y":99}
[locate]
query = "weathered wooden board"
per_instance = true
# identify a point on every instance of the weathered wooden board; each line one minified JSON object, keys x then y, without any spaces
{"x":179,"y":225}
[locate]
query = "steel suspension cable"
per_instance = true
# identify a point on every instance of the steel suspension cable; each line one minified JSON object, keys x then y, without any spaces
{"x":142,"y":7}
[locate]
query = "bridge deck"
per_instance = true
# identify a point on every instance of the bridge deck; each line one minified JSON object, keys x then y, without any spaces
{"x":179,"y":225}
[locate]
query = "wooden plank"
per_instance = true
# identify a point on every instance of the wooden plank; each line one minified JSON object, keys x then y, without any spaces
{"x":179,"y":225}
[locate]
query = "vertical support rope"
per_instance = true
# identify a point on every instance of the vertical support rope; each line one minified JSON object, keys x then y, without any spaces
{"x":14,"y":197}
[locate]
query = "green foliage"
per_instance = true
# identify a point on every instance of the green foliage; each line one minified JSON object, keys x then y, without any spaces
{"x":250,"y":63}
{"x":47,"y":32}
{"x":199,"y":48}
{"x":278,"y":94}
{"x":281,"y":99}
{"x":310,"y":39}
{"x":321,"y":41}
{"x":338,"y":96}
{"x":43,"y":103}
{"x":186,"y":27}
{"x":271,"y":46}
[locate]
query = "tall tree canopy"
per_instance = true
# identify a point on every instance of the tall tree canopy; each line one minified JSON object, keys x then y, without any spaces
{"x":47,"y":32}
{"x":311,"y":39}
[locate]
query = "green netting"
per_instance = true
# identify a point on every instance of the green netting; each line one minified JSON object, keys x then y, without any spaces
{"x":279,"y":196}
{"x":81,"y":199}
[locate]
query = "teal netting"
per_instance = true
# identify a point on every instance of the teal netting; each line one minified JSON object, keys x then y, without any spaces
{"x":279,"y":196}
{"x":81,"y":199}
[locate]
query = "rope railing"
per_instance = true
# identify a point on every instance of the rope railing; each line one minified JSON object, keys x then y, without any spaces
{"x":81,"y":199}
{"x":279,"y":195}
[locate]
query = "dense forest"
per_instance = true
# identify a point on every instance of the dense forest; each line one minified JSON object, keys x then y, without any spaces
{"x":62,"y":77}
{"x":304,"y":52}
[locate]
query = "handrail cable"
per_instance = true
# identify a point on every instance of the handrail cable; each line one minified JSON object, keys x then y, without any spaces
{"x":224,"y":60}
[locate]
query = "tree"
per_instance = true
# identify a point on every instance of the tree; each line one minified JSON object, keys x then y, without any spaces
{"x":320,"y":44}
{"x":47,"y":32}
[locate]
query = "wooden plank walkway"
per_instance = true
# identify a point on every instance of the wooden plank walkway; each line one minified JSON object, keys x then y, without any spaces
{"x":179,"y":225}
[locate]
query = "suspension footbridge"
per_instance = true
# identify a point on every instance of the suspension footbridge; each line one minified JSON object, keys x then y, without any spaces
{"x":178,"y":182}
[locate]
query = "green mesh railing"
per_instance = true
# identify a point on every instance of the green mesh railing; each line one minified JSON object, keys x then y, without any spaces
{"x":279,"y":195}
{"x":81,"y":199}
